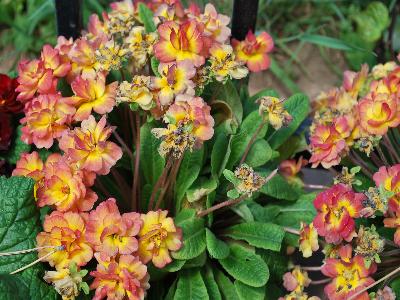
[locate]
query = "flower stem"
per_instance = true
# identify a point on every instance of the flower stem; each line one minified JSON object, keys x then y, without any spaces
{"x":251,"y":142}
{"x":135,"y":193}
{"x":322,"y":281}
{"x":158,"y":183}
{"x":291,"y":230}
{"x":34,"y":262}
{"x":375,"y":283}
{"x":123,"y":144}
{"x":388,"y":144}
{"x":316,"y":269}
{"x":357,"y":160}
{"x":382,"y":155}
{"x":316,"y":186}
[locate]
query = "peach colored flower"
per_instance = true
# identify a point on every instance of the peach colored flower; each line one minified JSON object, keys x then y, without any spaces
{"x":52,"y":60}
{"x":92,"y":94}
{"x":29,"y":165}
{"x":83,"y":59}
{"x":254,"y":51}
{"x":67,"y":230}
{"x":119,"y":278}
{"x":180,"y":42}
{"x":111,"y":233}
{"x":308,"y":240}
{"x":157,"y":237}
{"x":88,"y":146}
{"x":34,"y":78}
{"x":47,"y":117}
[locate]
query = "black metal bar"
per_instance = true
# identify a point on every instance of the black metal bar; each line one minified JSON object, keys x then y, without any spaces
{"x":69,"y":18}
{"x":244,"y":18}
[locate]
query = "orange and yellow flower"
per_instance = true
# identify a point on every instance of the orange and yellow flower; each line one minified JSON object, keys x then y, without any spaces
{"x":348,"y":277}
{"x":110,"y":233}
{"x":175,"y":79}
{"x":92,"y":94}
{"x":53,"y":61}
{"x":157,"y":237}
{"x":290,"y":168}
{"x":88,"y":146}
{"x":392,"y":220}
{"x":29,"y":165}
{"x":336,"y":209}
{"x":64,"y":189}
{"x":254,"y":51}
{"x":296,"y":280}
{"x":308,"y":240}
{"x":378,"y":113}
{"x":66,"y":230}
{"x":119,"y":278}
{"x":389,"y":178}
{"x":181,"y":42}
{"x":34,"y":78}
{"x":47,"y":117}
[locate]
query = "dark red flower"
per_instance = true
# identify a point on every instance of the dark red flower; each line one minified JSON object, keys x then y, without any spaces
{"x":6,"y":131}
{"x":8,"y":95}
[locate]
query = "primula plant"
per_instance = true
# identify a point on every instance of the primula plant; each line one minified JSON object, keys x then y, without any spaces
{"x":355,"y":134}
{"x":145,"y":168}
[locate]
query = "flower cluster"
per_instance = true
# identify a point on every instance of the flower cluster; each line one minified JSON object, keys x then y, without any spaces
{"x":358,"y":115}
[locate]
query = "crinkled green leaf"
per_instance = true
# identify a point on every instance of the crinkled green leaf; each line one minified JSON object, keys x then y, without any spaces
{"x":19,"y":225}
{"x":220,"y":154}
{"x":246,"y":292}
{"x":191,"y":286}
{"x":196,"y":262}
{"x":246,"y":266}
{"x":279,"y":188}
{"x":194,"y":238}
{"x":12,"y":287}
{"x":261,"y":235}
{"x":201,"y":188}
{"x":216,"y":248}
{"x":211,"y":284}
{"x":226,"y":286}
{"x":260,"y":153}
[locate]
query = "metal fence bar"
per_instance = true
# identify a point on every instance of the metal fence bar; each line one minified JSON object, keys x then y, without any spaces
{"x":244,"y":18}
{"x":69,"y":18}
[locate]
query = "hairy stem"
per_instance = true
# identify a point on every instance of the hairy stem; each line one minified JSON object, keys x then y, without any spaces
{"x":159,"y":183}
{"x":123,"y":144}
{"x":251,"y":142}
{"x":135,"y":193}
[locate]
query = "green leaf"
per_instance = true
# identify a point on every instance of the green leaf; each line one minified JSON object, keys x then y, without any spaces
{"x":329,"y":42}
{"x":233,"y":194}
{"x":194,"y":238}
{"x":154,"y":62}
{"x":262,"y":235}
{"x":216,"y":248}
{"x":260,"y":153}
{"x":171,"y":292}
{"x":298,"y":107}
{"x":242,"y":138}
{"x":277,"y":263}
{"x":228,"y":94}
{"x":244,"y":212}
{"x":17,"y":148}
{"x":201,"y":188}
{"x":185,"y":215}
{"x":188,"y":172}
{"x":246,"y":266}
{"x":395,"y":285}
{"x":146,"y":16}
{"x":174,"y":266}
{"x":151,"y":162}
{"x":19,"y":225}
{"x":226,"y":286}
{"x":211,"y":285}
{"x":12,"y":287}
{"x":246,"y":292}
{"x":196,"y":262}
{"x":220,"y":154}
{"x":279,"y":188}
{"x":191,"y":286}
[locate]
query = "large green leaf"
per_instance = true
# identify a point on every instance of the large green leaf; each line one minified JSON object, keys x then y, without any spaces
{"x":201,"y":188}
{"x":220,"y":154}
{"x":194,"y":238}
{"x":188,"y":172}
{"x":246,"y":266}
{"x":246,"y":292}
{"x":212,"y":287}
{"x":12,"y":287}
{"x":191,"y":286}
{"x":243,"y":137}
{"x":260,"y":153}
{"x":226,"y":286}
{"x":298,"y":107}
{"x":151,"y":162}
{"x":261,"y":235}
{"x":146,"y":16}
{"x":279,"y":188}
{"x":19,"y":225}
{"x":217,"y":248}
